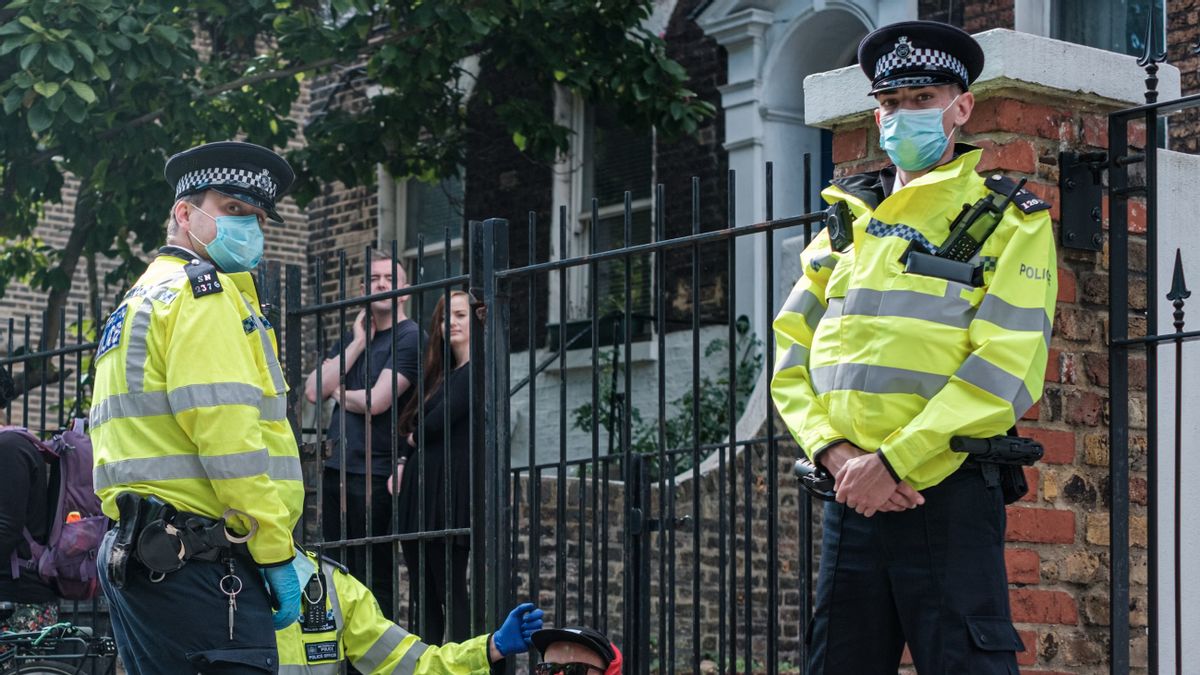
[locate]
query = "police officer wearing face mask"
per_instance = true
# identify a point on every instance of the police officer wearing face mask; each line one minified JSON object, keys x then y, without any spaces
{"x":194,"y":454}
{"x":921,"y":321}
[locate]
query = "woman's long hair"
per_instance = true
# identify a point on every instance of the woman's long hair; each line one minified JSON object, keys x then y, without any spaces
{"x":434,"y":369}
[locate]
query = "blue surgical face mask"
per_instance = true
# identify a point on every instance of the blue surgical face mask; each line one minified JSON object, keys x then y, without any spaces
{"x":238,"y":244}
{"x":914,"y":139}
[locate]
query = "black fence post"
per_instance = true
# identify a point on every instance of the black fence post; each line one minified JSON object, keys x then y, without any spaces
{"x":637,"y":594}
{"x":291,"y":346}
{"x":489,"y":419}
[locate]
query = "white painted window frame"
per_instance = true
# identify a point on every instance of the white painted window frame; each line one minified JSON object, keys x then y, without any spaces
{"x":392,"y":222}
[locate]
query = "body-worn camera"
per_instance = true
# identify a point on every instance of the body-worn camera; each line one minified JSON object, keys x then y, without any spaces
{"x":839,"y":222}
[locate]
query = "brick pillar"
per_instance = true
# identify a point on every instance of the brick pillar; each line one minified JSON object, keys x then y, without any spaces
{"x":1057,"y":554}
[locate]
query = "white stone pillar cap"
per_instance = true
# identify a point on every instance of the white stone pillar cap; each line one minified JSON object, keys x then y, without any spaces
{"x":1013,"y":59}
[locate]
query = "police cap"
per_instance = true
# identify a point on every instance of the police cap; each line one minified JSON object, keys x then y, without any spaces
{"x":919,"y":54}
{"x":244,"y":171}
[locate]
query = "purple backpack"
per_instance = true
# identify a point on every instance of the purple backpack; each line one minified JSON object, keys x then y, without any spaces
{"x":67,"y":560}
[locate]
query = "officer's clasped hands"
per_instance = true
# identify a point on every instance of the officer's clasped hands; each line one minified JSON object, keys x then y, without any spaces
{"x":863,"y":483}
{"x":284,"y":587}
{"x":514,"y":635}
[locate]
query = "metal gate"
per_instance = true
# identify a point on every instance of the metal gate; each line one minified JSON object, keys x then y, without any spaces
{"x":647,"y":514}
{"x":639,"y":507}
{"x":1140,"y":139}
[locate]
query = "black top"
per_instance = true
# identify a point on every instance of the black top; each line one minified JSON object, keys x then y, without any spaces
{"x":441,"y":447}
{"x":24,"y":503}
{"x":357,"y":377}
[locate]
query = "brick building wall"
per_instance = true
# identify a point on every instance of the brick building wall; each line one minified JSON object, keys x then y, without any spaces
{"x":703,"y":156}
{"x":1058,"y":555}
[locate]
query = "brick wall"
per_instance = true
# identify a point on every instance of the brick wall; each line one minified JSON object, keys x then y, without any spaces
{"x":1058,"y":556}
{"x":1183,"y":40}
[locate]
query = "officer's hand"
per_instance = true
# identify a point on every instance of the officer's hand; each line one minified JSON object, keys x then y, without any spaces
{"x":514,"y":634}
{"x":835,"y":457}
{"x":904,"y":498}
{"x":284,"y":587}
{"x":864,"y":484}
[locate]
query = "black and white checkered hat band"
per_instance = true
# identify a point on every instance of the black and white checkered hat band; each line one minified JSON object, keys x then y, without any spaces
{"x":930,"y":59}
{"x":218,"y":176}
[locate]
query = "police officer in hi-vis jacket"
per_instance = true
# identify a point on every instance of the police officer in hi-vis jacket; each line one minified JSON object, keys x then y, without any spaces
{"x":194,"y":455}
{"x":922,"y":320}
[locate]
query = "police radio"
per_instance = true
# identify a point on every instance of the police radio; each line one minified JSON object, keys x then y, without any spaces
{"x":974,"y":224}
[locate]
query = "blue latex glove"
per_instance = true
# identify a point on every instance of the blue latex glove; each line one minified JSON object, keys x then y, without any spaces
{"x":284,"y":587}
{"x":514,"y":634}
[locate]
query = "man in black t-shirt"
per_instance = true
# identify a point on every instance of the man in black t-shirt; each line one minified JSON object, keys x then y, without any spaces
{"x":380,"y":358}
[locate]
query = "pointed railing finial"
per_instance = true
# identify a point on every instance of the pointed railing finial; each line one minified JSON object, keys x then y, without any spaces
{"x":1179,"y":291}
{"x":1151,"y":58}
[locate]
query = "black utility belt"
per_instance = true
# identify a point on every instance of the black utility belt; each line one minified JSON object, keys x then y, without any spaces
{"x":163,"y":539}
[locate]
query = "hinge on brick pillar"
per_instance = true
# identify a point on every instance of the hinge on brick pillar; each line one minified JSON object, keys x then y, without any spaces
{"x":1082,"y":194}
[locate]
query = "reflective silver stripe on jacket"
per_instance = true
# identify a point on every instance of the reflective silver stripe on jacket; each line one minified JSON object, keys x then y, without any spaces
{"x":803,"y":301}
{"x":408,"y":662}
{"x":796,"y":355}
{"x":268,"y":351}
{"x":384,"y":646}
{"x":876,"y":380}
{"x":151,"y":403}
{"x":135,"y":353}
{"x":997,"y":382}
{"x":284,"y":468}
{"x":949,"y":310}
{"x":178,"y":467}
{"x":1010,"y":317}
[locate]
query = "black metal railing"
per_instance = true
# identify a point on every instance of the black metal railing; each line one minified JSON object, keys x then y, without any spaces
{"x":304,"y":341}
{"x":52,"y":388}
{"x":638,"y":549}
{"x":1134,"y":326}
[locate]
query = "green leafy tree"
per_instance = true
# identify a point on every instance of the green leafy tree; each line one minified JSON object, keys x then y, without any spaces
{"x":98,"y":92}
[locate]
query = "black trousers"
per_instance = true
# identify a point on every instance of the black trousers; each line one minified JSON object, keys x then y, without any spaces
{"x":382,"y":559}
{"x":933,"y":577}
{"x":181,"y":623}
{"x":442,"y":622}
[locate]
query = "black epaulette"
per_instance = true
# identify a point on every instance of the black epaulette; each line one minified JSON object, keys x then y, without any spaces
{"x":203,"y":276}
{"x":1024,"y":200}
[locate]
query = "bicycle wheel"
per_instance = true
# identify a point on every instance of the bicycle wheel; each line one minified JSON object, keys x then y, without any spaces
{"x":46,"y":668}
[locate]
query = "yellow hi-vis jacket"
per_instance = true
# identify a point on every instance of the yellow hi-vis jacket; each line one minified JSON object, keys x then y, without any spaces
{"x":189,"y":404}
{"x":356,"y":630}
{"x":897,"y":362}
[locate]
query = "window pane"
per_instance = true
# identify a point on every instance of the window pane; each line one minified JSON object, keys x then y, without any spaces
{"x":622,"y":159}
{"x":610,"y":274}
{"x":429,"y":208}
{"x":1115,"y":25}
{"x":433,"y":270}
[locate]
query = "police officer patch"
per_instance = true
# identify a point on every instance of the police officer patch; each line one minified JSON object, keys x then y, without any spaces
{"x":111,"y":336}
{"x":203,"y":276}
{"x":1024,"y":200}
{"x":321,"y":651}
